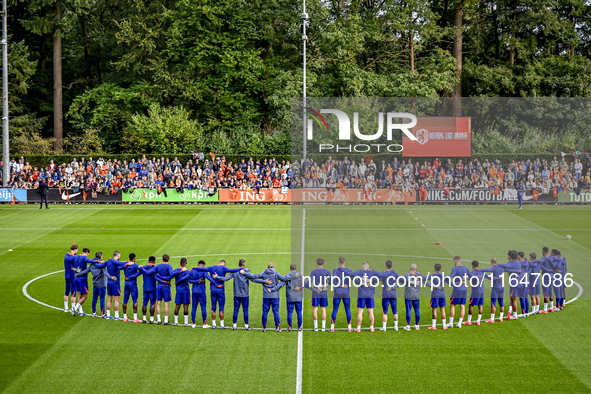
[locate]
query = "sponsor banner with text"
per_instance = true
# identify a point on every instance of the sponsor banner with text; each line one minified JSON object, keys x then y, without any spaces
{"x":273,"y":195}
{"x":584,"y":196}
{"x":10,"y":195}
{"x":168,"y":195}
{"x":485,"y":196}
{"x":352,"y":196}
{"x":439,"y":136}
{"x":68,"y":195}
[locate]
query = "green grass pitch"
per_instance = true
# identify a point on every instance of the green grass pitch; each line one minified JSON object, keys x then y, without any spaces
{"x":46,"y":350}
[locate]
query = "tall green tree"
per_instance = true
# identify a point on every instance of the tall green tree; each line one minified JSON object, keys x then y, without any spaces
{"x":49,"y":18}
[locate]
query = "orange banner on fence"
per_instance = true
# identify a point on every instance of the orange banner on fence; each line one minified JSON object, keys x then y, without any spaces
{"x":352,"y":196}
{"x":318,"y":195}
{"x":273,"y":195}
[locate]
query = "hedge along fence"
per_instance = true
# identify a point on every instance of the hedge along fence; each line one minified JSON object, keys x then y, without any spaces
{"x":44,"y":160}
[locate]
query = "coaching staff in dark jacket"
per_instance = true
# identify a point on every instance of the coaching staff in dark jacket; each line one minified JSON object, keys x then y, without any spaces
{"x":43,"y":189}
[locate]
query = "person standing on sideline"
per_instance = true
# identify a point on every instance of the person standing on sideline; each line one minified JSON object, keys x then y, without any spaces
{"x":521,"y":193}
{"x":43,"y":189}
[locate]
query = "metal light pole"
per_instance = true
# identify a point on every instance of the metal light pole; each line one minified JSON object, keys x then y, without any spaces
{"x":304,"y":39}
{"x":5,"y":143}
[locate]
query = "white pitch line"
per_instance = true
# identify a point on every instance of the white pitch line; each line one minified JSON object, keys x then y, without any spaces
{"x":300,"y":333}
{"x":37,"y":301}
{"x":281,"y":229}
{"x":146,"y":229}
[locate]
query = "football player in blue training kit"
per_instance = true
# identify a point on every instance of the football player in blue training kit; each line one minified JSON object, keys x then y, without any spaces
{"x":341,"y":284}
{"x":148,"y":272}
{"x":293,"y":296}
{"x":525,"y":284}
{"x":557,"y":279}
{"x":458,"y":276}
{"x":114,"y":267}
{"x":365,"y":292}
{"x":477,"y":294}
{"x":218,"y":294}
{"x":389,"y":300}
{"x":70,"y":272}
{"x":183,"y":294}
{"x":513,"y":267}
{"x":99,"y":282}
{"x":163,"y":289}
{"x":563,"y":272}
{"x":131,"y":270}
{"x":547,"y":270}
{"x":534,"y":285}
{"x":437,"y":282}
{"x":241,"y":294}
{"x":497,"y":291}
{"x":80,"y":264}
{"x":199,"y":293}
{"x":319,"y":279}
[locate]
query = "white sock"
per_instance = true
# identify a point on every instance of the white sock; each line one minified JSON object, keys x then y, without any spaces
{"x":479,"y":317}
{"x":135,"y":316}
{"x":144,"y":318}
{"x":315,"y":323}
{"x":545,"y":306}
{"x":108,"y":313}
{"x":332,"y":326}
{"x":234,"y":325}
{"x":186,"y":319}
{"x":176,"y":319}
{"x":501,"y":315}
{"x":451,"y":320}
{"x":469,"y":318}
{"x":359,"y":327}
{"x":116,"y":314}
{"x":434,"y":322}
{"x":371,"y":327}
{"x":246,"y":326}
{"x":460,"y":321}
{"x":515,"y":315}
{"x":159,"y":319}
{"x":323,"y":324}
{"x":384,"y":325}
{"x":166,"y":319}
{"x":396,"y":324}
{"x":151,"y":318}
{"x":551,"y":304}
{"x":221,"y":322}
{"x":492,"y":316}
{"x":80,"y":308}
{"x":349,"y":326}
{"x":212,"y":323}
{"x":65,"y":304}
{"x":510,"y":311}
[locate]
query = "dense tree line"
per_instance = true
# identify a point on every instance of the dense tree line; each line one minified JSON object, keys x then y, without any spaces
{"x":168,"y":76}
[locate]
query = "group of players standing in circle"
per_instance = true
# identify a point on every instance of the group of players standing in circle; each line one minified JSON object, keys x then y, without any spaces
{"x":526,"y":277}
